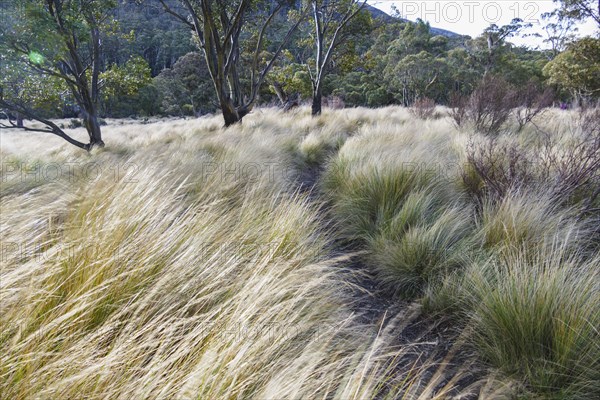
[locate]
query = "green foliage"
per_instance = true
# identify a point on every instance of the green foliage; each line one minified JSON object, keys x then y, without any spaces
{"x":291,"y":75}
{"x":412,"y":64}
{"x":579,"y":10}
{"x":150,"y":33}
{"x":186,"y":89}
{"x":376,"y":62}
{"x":63,"y":40}
{"x":125,"y":80}
{"x":33,"y":29}
{"x":22,"y":85}
{"x":418,"y":75}
{"x":577,"y":70}
{"x":127,"y":88}
{"x":359,"y":88}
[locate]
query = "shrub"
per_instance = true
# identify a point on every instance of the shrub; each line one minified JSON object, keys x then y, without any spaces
{"x":494,"y":168}
{"x":75,"y":123}
{"x":531,"y":102}
{"x":569,"y":171}
{"x":187,"y":109}
{"x":487,"y":108}
{"x":575,"y":168}
{"x":490,"y":105}
{"x":458,"y":108}
{"x":334,"y":102}
{"x":589,"y":121}
{"x":423,"y":108}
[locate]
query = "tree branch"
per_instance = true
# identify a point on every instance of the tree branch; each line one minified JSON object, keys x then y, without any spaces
{"x":334,"y":40}
{"x":51,"y":126}
{"x":260,"y":41}
{"x":180,"y":17}
{"x":265,"y":71}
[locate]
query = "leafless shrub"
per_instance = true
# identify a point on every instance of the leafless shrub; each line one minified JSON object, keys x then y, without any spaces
{"x":487,"y":108}
{"x":458,"y":108}
{"x":531,"y":102}
{"x":569,"y":172}
{"x":589,"y":120}
{"x":576,"y":167}
{"x":490,"y":105}
{"x":496,"y":168}
{"x":334,"y":102}
{"x":423,"y":108}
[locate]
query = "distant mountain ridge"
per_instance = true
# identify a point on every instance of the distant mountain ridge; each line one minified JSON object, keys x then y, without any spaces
{"x":380,"y":15}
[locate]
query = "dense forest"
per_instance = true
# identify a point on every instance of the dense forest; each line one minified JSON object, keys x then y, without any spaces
{"x":150,"y":63}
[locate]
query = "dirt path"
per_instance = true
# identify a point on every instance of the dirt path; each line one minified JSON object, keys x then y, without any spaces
{"x":433,"y":342}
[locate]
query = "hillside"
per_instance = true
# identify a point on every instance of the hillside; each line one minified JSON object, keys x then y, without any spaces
{"x":380,"y":15}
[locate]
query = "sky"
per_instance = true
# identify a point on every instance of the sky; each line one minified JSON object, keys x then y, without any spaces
{"x":471,"y":17}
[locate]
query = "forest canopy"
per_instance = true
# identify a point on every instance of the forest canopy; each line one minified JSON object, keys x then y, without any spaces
{"x":140,"y":58}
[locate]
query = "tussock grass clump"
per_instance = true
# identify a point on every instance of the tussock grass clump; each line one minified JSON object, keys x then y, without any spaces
{"x":366,"y":199}
{"x":413,"y":233}
{"x":315,"y":148}
{"x":406,"y":215}
{"x":489,"y":261}
{"x":529,"y":222}
{"x":539,"y":319}
{"x":424,"y":253}
{"x":160,"y":297}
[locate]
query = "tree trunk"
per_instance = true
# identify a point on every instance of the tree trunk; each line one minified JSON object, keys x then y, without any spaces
{"x":292,"y":102}
{"x":280,"y":92}
{"x":19,"y":120}
{"x":287,"y":101}
{"x":317,"y":102}
{"x":93,"y":128}
{"x":230,"y":114}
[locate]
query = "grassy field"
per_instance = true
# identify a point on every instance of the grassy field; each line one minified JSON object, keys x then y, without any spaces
{"x":362,"y":254}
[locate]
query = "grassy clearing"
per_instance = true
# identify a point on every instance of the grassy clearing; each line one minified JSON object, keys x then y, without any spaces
{"x":183,"y":262}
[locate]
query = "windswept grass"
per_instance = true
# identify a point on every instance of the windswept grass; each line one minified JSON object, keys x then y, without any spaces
{"x":186,"y":261}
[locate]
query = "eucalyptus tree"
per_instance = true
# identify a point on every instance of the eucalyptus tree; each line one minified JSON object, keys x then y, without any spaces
{"x":224,"y":30}
{"x":579,"y":10}
{"x":577,"y":69}
{"x":331,"y":20}
{"x":490,"y":46}
{"x":58,"y":43}
{"x":559,"y":32}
